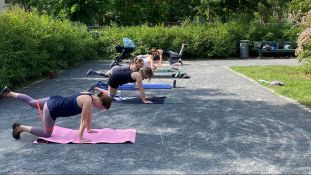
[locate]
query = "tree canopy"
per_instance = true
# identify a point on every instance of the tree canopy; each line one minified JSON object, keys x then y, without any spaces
{"x":152,"y":12}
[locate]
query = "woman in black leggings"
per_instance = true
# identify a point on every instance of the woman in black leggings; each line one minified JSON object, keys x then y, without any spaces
{"x":135,"y":65}
{"x":119,"y":76}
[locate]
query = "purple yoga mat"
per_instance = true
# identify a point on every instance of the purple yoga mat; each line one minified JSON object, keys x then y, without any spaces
{"x":106,"y":135}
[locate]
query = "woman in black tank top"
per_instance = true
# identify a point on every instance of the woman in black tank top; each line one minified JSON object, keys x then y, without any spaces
{"x":119,"y":77}
{"x":134,"y":66}
{"x":58,"y":106}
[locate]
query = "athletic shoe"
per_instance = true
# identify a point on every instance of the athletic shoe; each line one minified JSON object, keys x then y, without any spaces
{"x":180,"y":61}
{"x":181,"y":75}
{"x":92,"y":88}
{"x":89,"y":72}
{"x":4,"y":92}
{"x":16,"y":134}
{"x":114,"y":63}
{"x":101,"y":83}
{"x":107,"y":74}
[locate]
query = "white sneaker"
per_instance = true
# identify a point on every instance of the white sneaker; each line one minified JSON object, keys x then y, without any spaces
{"x":180,"y":61}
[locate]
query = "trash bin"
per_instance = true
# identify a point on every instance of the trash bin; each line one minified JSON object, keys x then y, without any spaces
{"x":244,"y":53}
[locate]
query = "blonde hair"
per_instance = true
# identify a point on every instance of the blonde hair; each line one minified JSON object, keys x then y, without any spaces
{"x":151,"y":52}
{"x":137,"y":60}
{"x":146,"y":72}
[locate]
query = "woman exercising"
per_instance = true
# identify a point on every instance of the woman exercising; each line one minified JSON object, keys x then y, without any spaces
{"x":58,"y":106}
{"x":134,"y":67}
{"x":120,"y":76}
{"x":171,"y":56}
{"x":148,"y":60}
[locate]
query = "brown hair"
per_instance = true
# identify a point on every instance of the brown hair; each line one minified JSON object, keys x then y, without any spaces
{"x":137,"y":60}
{"x":146,"y":72}
{"x":156,"y":57}
{"x":151,"y":52}
{"x":105,"y":99}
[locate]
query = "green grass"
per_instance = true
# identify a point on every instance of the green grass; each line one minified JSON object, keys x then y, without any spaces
{"x":297,"y":82}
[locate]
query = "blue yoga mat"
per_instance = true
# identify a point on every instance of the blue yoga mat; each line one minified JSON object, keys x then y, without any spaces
{"x":131,"y":86}
{"x":154,"y":100}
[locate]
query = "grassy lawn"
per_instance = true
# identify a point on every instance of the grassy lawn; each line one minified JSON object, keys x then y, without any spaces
{"x":297,"y":83}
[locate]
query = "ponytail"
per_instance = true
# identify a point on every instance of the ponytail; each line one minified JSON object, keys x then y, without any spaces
{"x":146,"y":72}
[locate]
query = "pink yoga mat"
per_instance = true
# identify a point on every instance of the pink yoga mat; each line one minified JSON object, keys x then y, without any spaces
{"x":106,"y":135}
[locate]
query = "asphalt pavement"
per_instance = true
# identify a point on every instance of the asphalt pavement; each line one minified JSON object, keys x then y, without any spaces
{"x":226,"y":123}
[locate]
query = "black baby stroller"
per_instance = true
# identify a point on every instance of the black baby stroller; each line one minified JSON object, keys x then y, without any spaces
{"x":123,"y":51}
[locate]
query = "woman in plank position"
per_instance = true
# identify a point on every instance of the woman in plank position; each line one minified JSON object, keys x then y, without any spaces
{"x":58,"y":106}
{"x":119,"y":76}
{"x":134,"y":67}
{"x":149,"y":60}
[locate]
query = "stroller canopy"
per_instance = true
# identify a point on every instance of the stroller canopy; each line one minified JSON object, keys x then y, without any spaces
{"x":128,"y":43}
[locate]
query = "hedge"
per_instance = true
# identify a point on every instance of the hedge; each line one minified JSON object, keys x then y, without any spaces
{"x":31,"y":45}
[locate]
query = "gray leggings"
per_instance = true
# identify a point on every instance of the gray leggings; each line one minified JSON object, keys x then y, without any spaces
{"x":48,"y":122}
{"x":174,"y":57}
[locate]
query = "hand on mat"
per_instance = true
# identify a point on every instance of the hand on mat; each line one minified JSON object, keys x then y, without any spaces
{"x":83,"y":140}
{"x":92,"y":131}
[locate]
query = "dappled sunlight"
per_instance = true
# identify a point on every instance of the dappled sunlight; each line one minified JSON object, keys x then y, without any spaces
{"x":255,"y":166}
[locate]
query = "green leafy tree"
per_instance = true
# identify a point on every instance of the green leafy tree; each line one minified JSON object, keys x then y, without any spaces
{"x":89,"y":12}
{"x":297,"y":9}
{"x":304,"y":42}
{"x":225,"y":10}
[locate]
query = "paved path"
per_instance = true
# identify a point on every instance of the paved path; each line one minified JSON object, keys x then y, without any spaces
{"x":226,"y":124}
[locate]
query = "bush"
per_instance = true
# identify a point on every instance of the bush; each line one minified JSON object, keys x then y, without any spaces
{"x":215,"y":40}
{"x":205,"y":41}
{"x":304,"y":43}
{"x":282,"y":31}
{"x":32,"y":45}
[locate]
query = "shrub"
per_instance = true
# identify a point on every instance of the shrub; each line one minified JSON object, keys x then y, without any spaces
{"x":32,"y":45}
{"x":273,"y":32}
{"x":304,"y":43}
{"x":214,"y":40}
{"x":205,"y":41}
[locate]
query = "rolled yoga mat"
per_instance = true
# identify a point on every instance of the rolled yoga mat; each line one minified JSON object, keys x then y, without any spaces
{"x":155,"y":100}
{"x":106,"y":135}
{"x":168,"y":69}
{"x":169,"y":72}
{"x":131,"y":86}
{"x":170,"y":75}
